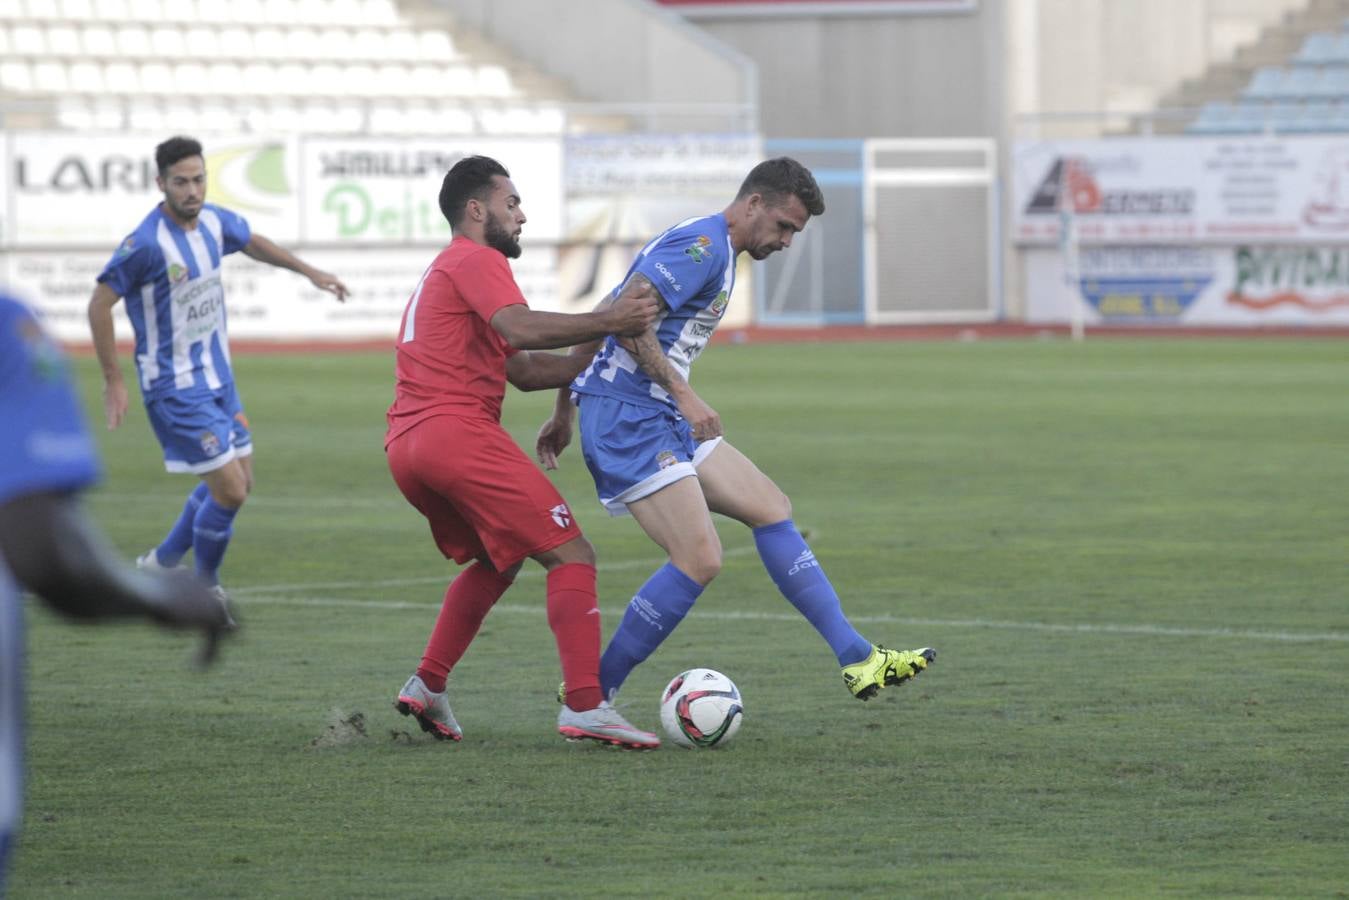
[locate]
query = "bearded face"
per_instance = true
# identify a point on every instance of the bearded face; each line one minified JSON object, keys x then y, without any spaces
{"x":500,"y":238}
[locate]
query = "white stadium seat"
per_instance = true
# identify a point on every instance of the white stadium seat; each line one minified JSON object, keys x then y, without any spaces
{"x":98,"y":40}
{"x":50,"y":77}
{"x":294,"y":79}
{"x":16,"y":76}
{"x":258,"y":78}
{"x":166,"y":42}
{"x":269,"y":43}
{"x":303,"y":43}
{"x":156,"y":78}
{"x":369,"y":44}
{"x":28,"y":40}
{"x":63,"y":41}
{"x":202,"y":43}
{"x":86,"y":78}
{"x":4,"y":41}
{"x":41,"y":9}
{"x":326,"y":78}
{"x":435,"y":46}
{"x":149,"y":118}
{"x":225,"y":78}
{"x":133,"y":41}
{"x":336,"y":43}
{"x":236,"y":43}
{"x":121,"y":78}
{"x":111,"y":12}
{"x":402,"y":45}
{"x":494,"y":81}
{"x":190,"y":78}
{"x":149,"y":11}
{"x":77,"y":11}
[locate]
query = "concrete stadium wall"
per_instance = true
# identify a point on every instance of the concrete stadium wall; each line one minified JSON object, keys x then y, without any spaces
{"x":879,"y":75}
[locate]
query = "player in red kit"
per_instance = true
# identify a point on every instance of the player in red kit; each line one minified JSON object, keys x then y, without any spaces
{"x":467,"y":331}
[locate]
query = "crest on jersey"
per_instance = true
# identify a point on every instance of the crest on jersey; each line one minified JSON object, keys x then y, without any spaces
{"x":127,"y":247}
{"x":561,"y":515}
{"x":177,"y":273}
{"x":700,"y":248}
{"x":665,"y":459}
{"x":719,"y":305}
{"x":48,"y":363}
{"x":210,"y":444}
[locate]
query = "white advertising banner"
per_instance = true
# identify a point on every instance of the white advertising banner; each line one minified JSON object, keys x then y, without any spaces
{"x":264,"y":302}
{"x":380,"y":191}
{"x":1256,"y":285}
{"x":624,"y":190}
{"x":1183,"y":190}
{"x":72,"y":189}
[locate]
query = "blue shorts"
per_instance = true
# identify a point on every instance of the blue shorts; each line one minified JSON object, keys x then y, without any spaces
{"x":632,"y":451}
{"x":200,"y":431}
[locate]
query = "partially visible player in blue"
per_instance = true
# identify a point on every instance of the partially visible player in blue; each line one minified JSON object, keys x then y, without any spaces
{"x":656,"y":450}
{"x":168,"y":270}
{"x":47,"y":544}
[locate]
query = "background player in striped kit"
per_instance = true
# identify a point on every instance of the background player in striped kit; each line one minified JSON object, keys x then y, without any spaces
{"x":48,"y":544}
{"x":169,"y":271}
{"x":655,"y":449}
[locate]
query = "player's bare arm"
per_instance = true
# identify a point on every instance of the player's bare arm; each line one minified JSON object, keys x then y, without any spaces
{"x":105,"y":344}
{"x":534,"y":370}
{"x":702,"y":419}
{"x":555,"y":434}
{"x":264,"y":250}
{"x":532,"y":329}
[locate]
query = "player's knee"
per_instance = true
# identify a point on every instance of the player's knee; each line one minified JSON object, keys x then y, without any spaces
{"x":231,"y":495}
{"x":703,"y":565}
{"x":576,"y":550}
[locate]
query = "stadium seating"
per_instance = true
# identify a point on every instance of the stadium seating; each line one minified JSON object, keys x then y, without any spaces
{"x":275,"y":64}
{"x":1308,"y":95}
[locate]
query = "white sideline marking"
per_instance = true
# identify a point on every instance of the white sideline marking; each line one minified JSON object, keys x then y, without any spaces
{"x":1143,"y":630}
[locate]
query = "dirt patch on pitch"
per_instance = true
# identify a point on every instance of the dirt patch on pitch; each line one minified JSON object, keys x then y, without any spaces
{"x":343,"y":728}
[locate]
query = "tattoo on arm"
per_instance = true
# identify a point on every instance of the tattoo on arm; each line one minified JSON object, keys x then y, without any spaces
{"x":646,"y":350}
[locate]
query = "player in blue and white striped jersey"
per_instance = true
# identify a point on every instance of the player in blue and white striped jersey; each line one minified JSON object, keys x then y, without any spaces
{"x":48,"y":544}
{"x":655,"y":449}
{"x":168,"y":270}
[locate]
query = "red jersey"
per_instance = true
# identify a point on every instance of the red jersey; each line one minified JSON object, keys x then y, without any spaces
{"x":450,"y":361}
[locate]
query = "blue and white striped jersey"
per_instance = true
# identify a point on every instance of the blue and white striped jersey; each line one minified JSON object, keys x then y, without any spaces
{"x":171,"y":281}
{"x":44,"y":446}
{"x":693,"y":267}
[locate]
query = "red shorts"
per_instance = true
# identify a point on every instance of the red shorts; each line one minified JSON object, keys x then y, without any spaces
{"x":479,"y":491}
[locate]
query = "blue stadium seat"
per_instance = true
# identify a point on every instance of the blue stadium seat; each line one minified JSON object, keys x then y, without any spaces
{"x":1227,"y":118}
{"x":1318,"y":49}
{"x":1265,"y":84}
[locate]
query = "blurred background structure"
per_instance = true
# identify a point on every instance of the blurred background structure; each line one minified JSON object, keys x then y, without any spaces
{"x":1039,"y":161}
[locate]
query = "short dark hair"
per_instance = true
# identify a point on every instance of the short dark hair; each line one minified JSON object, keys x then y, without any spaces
{"x":468,"y":179}
{"x":777,"y":179}
{"x":175,"y":149}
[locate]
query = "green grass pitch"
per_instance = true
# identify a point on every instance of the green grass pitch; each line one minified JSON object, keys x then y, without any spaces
{"x":1131,"y":555}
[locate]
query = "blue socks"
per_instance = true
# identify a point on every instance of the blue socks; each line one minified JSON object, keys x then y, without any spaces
{"x":793,"y":568}
{"x":175,"y":545}
{"x":211,"y":532}
{"x":653,"y":613}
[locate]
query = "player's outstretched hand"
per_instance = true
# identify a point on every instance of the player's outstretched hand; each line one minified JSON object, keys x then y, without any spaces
{"x":326,"y":281}
{"x":634,"y":314}
{"x":553,"y":438}
{"x":114,"y":403}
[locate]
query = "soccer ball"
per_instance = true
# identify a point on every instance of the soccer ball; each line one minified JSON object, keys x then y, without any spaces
{"x":700,"y":708}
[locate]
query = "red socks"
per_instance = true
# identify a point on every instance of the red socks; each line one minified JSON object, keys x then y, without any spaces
{"x":574,"y":616}
{"x":467,"y":602}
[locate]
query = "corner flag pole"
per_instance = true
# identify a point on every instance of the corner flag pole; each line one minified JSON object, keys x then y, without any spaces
{"x":1068,"y":247}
